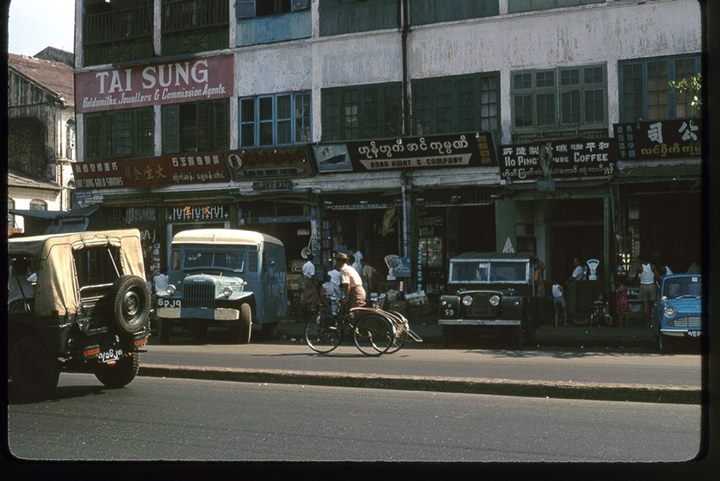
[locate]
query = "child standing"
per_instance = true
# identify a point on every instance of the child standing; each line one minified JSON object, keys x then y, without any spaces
{"x":621,"y":303}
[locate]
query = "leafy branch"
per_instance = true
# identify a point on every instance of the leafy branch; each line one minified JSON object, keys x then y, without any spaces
{"x":692,"y":85}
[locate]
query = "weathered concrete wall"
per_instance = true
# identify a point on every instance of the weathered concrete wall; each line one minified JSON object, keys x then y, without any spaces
{"x":601,"y":33}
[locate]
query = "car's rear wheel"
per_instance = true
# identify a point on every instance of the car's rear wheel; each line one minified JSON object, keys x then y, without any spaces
{"x":33,"y":371}
{"x":244,"y":330}
{"x":121,"y":373}
{"x":130,"y":304}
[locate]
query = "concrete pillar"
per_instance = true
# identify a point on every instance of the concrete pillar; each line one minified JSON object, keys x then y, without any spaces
{"x":505,"y":224}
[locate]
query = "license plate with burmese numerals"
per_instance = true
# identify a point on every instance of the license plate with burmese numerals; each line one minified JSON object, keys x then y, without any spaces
{"x":110,"y":355}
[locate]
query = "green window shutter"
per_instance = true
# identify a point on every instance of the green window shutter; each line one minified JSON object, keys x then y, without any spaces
{"x":392,"y":110}
{"x":432,"y":11}
{"x":205,"y":127}
{"x":144,"y":132}
{"x":221,"y":121}
{"x":171,"y":129}
{"x":330,"y":113}
{"x":245,"y":9}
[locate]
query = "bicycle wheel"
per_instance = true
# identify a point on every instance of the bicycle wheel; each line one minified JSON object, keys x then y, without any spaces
{"x":401,"y":336}
{"x":373,"y":334}
{"x":321,"y":334}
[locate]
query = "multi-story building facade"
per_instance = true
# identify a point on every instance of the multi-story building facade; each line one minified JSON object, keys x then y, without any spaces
{"x":41,"y":139}
{"x":409,"y":127}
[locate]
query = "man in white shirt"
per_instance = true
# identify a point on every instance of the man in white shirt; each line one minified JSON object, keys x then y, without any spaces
{"x":351,"y":281}
{"x":310,"y":296}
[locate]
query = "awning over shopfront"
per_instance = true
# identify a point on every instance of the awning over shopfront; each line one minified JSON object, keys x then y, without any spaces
{"x":54,"y":222}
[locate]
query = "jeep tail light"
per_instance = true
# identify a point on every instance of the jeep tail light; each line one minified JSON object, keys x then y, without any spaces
{"x":140,"y":342}
{"x":92,"y":352}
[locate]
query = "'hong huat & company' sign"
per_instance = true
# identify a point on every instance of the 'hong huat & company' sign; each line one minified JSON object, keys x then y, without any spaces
{"x":457,"y":150}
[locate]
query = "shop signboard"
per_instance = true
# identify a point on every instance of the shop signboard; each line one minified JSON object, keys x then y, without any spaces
{"x":430,"y":151}
{"x":332,"y":158}
{"x":653,"y":140}
{"x":163,"y":171}
{"x":196,"y":213}
{"x":556,"y":159}
{"x":191,"y":80}
{"x":258,"y":165}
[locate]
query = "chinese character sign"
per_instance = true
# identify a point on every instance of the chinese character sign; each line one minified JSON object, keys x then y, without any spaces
{"x":679,"y":138}
{"x":162,"y":171}
{"x":556,"y":160}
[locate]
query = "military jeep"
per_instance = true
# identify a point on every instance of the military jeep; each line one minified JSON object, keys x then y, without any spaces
{"x":84,"y":307}
{"x":491,"y":293}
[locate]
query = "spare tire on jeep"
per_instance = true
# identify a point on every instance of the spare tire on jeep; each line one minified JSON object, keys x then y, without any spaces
{"x":130,"y":304}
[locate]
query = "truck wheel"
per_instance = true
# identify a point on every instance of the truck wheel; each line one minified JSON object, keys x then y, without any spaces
{"x":130,"y":304}
{"x":34,"y":372}
{"x":121,"y":373}
{"x":245,"y":324}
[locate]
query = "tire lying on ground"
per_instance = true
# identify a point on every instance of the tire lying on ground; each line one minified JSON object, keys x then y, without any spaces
{"x":130,"y":304}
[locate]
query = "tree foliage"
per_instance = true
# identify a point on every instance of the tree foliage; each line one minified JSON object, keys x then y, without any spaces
{"x":692,"y":85}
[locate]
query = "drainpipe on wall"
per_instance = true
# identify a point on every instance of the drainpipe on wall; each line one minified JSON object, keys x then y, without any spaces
{"x":404,"y":16}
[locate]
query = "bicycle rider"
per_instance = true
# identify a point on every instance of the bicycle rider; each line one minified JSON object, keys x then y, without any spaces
{"x":351,"y":283}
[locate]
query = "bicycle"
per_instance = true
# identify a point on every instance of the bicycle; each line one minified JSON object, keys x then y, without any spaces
{"x":373,"y":332}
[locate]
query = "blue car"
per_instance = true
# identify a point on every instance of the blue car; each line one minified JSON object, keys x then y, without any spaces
{"x":677,"y":314}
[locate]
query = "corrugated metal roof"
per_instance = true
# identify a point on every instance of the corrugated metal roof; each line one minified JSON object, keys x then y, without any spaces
{"x":56,"y":77}
{"x":16,"y":180}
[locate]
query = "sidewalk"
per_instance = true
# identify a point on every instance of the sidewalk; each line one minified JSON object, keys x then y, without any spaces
{"x":431,"y":333}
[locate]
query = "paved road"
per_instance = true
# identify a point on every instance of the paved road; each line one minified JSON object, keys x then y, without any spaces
{"x":540,"y":373}
{"x":179,"y":419}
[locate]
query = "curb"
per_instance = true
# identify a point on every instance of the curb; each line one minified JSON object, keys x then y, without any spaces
{"x":501,"y":387}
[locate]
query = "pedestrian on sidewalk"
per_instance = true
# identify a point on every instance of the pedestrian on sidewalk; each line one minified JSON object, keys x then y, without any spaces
{"x":310,"y":296}
{"x":559,"y":302}
{"x":576,"y":274}
{"x":648,"y":286}
{"x":540,"y":303}
{"x":621,"y":304}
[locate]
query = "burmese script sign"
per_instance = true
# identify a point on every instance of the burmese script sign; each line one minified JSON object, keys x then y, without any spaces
{"x":169,"y":83}
{"x":658,"y":140}
{"x":457,"y":150}
{"x":162,"y":171}
{"x":556,"y":160}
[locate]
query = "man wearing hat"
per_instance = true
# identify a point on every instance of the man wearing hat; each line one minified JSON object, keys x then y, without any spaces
{"x":351,"y":282}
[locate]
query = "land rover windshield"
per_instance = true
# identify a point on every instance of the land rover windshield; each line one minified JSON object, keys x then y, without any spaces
{"x":488,"y":271}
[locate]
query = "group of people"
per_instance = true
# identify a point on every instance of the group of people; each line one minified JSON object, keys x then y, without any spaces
{"x":645,"y":272}
{"x":347,"y":281}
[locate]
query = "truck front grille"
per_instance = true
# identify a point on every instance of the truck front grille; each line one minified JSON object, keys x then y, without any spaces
{"x":199,"y":295}
{"x":481,"y":305}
